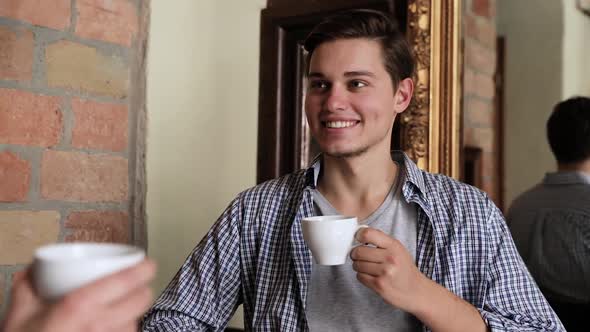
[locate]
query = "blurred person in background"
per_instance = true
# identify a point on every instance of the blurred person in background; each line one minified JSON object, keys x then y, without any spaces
{"x":550,"y":223}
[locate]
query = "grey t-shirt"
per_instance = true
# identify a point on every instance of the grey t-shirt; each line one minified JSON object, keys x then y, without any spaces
{"x":337,"y":301}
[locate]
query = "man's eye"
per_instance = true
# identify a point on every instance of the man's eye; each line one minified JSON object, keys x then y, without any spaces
{"x":355,"y":84}
{"x":318,"y":85}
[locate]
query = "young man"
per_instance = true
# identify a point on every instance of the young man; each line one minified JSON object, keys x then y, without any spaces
{"x":440,"y":254}
{"x":550,"y":223}
{"x":113,"y":303}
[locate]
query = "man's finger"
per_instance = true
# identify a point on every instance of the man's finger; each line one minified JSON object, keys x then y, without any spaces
{"x":128,"y":310}
{"x":25,"y":306}
{"x":366,"y":279}
{"x":374,"y":236}
{"x":22,"y":289}
{"x":368,"y":254}
{"x":117,"y":286}
{"x":20,"y":275}
{"x":372,"y":269}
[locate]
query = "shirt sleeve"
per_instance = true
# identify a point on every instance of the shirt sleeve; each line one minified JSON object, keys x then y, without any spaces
{"x":513,"y":301}
{"x":206,"y":290}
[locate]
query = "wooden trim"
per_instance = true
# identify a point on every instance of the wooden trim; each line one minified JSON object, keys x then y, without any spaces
{"x":473,"y":166}
{"x":499,"y":121}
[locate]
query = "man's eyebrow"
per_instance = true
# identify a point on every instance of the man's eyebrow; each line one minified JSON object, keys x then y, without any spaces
{"x":359,"y":73}
{"x":315,"y":75}
{"x":346,"y":74}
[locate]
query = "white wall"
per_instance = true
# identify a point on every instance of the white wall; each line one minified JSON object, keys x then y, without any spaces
{"x":202,"y":99}
{"x":533,"y":84}
{"x":576,"y":51}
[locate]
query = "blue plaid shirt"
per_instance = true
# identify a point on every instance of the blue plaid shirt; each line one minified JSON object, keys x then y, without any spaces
{"x":255,"y":255}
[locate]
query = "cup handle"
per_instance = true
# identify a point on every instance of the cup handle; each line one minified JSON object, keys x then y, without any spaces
{"x":356,"y":243}
{"x":358,"y":228}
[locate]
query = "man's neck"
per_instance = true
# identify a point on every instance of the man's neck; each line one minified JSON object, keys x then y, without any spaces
{"x":583,"y":166}
{"x":357,"y":185}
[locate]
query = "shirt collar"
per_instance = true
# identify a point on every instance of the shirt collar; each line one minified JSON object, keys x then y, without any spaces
{"x":413,"y":173}
{"x":557,"y":178}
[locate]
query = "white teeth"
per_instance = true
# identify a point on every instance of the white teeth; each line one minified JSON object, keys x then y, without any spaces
{"x":340,"y":124}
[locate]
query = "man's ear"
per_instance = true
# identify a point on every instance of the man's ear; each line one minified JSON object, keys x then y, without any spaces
{"x":403,"y":94}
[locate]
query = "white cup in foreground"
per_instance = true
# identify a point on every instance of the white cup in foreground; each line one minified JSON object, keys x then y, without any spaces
{"x":61,"y":268}
{"x":330,"y":238}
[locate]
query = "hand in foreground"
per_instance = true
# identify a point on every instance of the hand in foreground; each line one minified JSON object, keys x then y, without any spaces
{"x":113,"y":303}
{"x":388,"y":268}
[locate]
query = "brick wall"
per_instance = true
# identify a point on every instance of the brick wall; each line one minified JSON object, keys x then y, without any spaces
{"x":71,"y":125}
{"x":479,"y":42}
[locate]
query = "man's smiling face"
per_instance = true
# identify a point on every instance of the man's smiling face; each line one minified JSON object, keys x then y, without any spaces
{"x":351,"y":102}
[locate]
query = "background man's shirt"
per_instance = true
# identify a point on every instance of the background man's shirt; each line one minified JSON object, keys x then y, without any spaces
{"x":550,"y":225}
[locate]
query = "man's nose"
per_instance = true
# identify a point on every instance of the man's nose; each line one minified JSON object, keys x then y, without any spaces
{"x":336,"y":99}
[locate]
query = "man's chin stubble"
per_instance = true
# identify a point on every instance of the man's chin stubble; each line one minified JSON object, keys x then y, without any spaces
{"x":350,"y":154}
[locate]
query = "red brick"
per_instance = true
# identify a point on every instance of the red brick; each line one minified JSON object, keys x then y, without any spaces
{"x":491,"y":173}
{"x":101,"y":126}
{"x":53,"y":14}
{"x":480,"y":58}
{"x":480,"y":85}
{"x":98,"y":226}
{"x":481,"y":8}
{"x":468,"y":136}
{"x":469,"y":85}
{"x":21,"y":232}
{"x":16,"y":54}
{"x":490,"y":163}
{"x":481,"y":29}
{"x":15,"y":176}
{"x":490,"y":187}
{"x":469,"y":82}
{"x":486,"y":87}
{"x":479,"y":137}
{"x":478,"y":113}
{"x":81,"y":177}
{"x":83,"y":68}
{"x":29,"y":119}
{"x":470,"y":25}
{"x":493,"y":9}
{"x":113,"y":21}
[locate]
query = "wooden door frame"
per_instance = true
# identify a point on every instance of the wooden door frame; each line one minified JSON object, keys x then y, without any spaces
{"x":499,"y":81}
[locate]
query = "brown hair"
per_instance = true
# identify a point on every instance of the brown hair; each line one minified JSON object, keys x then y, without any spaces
{"x":372,"y":25}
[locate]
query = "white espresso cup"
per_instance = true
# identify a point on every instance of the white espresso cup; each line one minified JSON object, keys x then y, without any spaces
{"x":330,"y":238}
{"x":61,"y":268}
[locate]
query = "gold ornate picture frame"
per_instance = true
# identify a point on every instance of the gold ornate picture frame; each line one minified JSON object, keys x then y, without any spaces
{"x":431,"y":127}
